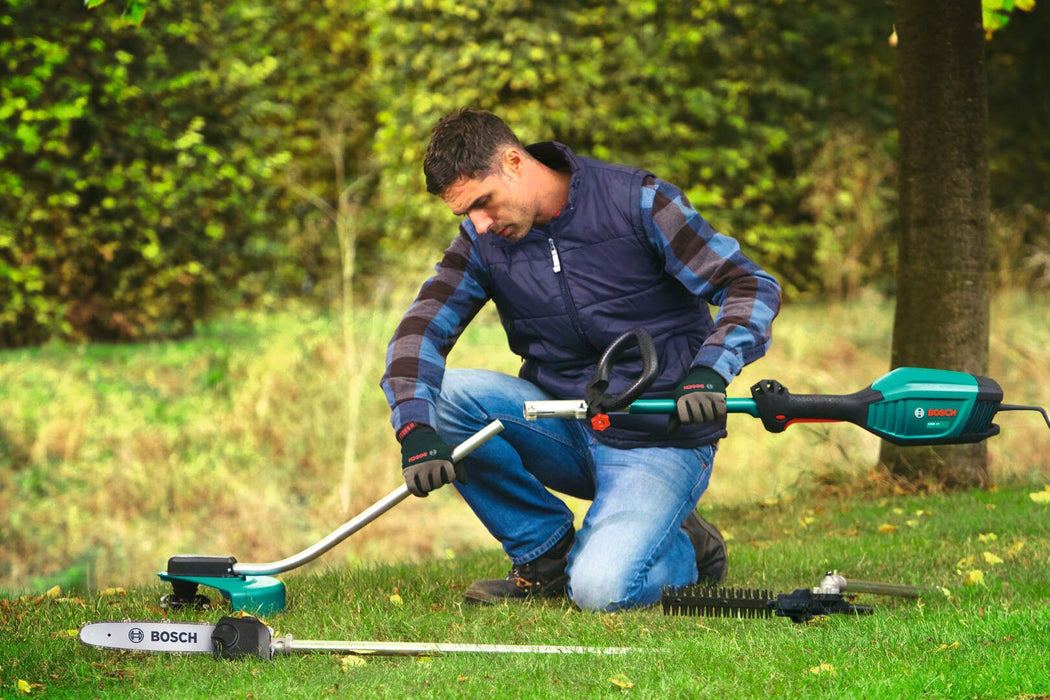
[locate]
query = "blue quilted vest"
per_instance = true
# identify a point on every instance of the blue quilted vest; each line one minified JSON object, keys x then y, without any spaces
{"x":566,"y":290}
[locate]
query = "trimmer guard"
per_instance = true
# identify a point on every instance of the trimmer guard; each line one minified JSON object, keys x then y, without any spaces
{"x":261,"y":595}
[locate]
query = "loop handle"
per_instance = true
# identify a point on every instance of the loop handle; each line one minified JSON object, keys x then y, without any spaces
{"x":598,"y":401}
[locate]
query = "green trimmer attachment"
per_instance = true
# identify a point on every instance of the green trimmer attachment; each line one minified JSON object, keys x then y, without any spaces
{"x":252,"y":587}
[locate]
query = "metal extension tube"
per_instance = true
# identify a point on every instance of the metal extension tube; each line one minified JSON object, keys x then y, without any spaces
{"x":371,"y":513}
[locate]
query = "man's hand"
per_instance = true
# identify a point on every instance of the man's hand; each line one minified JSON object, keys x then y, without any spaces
{"x":700,"y":398}
{"x":426,"y":461}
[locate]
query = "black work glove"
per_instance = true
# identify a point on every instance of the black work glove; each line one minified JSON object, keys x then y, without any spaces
{"x":426,"y":461}
{"x":700,"y":398}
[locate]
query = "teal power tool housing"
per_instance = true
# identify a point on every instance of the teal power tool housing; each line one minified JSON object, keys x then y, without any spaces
{"x":908,"y":406}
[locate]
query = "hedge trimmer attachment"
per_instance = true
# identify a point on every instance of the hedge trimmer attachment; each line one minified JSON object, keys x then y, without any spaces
{"x":834,"y":596}
{"x":908,"y":406}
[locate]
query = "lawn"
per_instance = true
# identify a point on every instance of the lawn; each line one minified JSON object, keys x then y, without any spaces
{"x":241,"y":441}
{"x":984,"y":635}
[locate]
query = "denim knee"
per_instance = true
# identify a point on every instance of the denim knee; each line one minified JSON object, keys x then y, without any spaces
{"x":602,"y":589}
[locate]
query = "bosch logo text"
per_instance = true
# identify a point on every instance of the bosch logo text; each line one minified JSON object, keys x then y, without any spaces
{"x":173,"y":637}
{"x":936,"y":413}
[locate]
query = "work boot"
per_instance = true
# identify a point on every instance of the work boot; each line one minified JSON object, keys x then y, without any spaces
{"x":543,"y":577}
{"x":710,"y":549}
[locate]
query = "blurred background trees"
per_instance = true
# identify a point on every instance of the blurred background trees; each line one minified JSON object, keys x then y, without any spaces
{"x":152,"y":176}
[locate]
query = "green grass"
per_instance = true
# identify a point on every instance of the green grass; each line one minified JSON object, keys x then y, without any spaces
{"x":985,"y":640}
{"x":113,"y":458}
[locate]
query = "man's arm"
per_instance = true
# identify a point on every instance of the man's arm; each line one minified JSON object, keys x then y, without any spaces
{"x":712,"y":266}
{"x":415,"y":360}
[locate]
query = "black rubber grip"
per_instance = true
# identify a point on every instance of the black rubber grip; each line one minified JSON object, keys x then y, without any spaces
{"x":778,"y":407}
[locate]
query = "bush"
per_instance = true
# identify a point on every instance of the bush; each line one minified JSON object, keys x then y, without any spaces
{"x":137,"y":169}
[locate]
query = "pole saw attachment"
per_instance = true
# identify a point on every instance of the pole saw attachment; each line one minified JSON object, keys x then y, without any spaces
{"x":247,"y":636}
{"x":908,"y":406}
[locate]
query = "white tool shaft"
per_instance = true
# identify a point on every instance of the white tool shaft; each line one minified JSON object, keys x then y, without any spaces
{"x":555,"y":408}
{"x":371,"y":513}
{"x":288,"y":645}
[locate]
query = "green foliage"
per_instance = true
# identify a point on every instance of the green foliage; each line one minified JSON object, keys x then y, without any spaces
{"x":150,"y":174}
{"x":132,"y":188}
{"x":728,"y":100}
{"x":996,"y":13}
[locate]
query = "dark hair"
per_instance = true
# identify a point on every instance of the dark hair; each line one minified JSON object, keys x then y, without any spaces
{"x":466,"y":143}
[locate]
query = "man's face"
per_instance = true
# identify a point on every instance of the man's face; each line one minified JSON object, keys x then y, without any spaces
{"x":495,"y":204}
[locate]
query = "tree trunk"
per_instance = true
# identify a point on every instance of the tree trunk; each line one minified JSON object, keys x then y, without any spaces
{"x":943,"y":307}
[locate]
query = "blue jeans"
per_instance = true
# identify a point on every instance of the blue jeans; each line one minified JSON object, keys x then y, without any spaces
{"x":630,"y":544}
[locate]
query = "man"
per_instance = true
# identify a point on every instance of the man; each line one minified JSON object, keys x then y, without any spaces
{"x":574,"y":252}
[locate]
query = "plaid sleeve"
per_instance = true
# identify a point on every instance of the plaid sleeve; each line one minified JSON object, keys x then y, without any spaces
{"x":712,"y":266}
{"x":415,"y":358}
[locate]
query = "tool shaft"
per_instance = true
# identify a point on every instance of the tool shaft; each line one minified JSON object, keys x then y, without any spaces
{"x":368,"y":515}
{"x":571,"y":408}
{"x":287,"y":645}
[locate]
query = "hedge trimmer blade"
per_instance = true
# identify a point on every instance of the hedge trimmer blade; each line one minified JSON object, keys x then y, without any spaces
{"x":717,"y":602}
{"x":801,"y":605}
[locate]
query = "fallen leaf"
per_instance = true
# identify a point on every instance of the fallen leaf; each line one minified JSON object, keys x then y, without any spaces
{"x":975,"y":577}
{"x":112,"y":591}
{"x":53,"y":592}
{"x":823,"y":668}
{"x":1041,"y":496}
{"x":886,"y":528}
{"x":351,"y":661}
{"x":806,"y":521}
{"x":1015,"y":548}
{"x":987,"y":537}
{"x":953,"y":645}
{"x":991,"y":559}
{"x":965,"y":563}
{"x":23,"y":687}
{"x":396,"y":600}
{"x":621,"y":681}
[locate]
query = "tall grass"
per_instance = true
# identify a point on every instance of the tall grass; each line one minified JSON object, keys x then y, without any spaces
{"x":113,"y":458}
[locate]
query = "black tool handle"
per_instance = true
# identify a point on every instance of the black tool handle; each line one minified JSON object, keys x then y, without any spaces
{"x":598,"y":401}
{"x":778,"y":407}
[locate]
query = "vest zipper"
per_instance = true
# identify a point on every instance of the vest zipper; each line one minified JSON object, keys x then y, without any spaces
{"x":554,"y":256}
{"x":570,"y":305}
